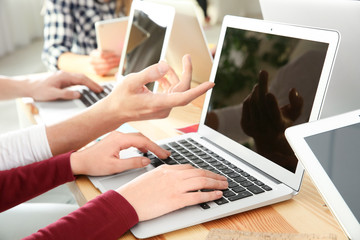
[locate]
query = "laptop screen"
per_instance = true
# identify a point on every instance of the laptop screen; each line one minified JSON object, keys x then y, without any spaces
{"x":338,"y":153}
{"x":145,"y":41}
{"x":255,"y":113}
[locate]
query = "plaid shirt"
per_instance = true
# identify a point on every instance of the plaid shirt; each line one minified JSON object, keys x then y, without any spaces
{"x":69,"y":26}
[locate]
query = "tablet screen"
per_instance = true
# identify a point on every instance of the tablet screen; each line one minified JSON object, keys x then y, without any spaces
{"x":338,"y":152}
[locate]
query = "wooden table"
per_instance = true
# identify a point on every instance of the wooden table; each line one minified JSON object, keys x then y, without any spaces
{"x":305,"y":213}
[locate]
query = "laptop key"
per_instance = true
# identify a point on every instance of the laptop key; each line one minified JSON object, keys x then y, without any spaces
{"x":241,"y":195}
{"x":266,"y":188}
{"x":204,"y":205}
{"x":255,"y":189}
{"x":221,"y":201}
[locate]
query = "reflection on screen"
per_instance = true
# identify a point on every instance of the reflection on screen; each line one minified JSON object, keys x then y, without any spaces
{"x":338,"y":153}
{"x":145,"y":43}
{"x":256,"y":113}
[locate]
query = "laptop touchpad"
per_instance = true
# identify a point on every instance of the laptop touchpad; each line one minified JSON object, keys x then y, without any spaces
{"x":116,"y":181}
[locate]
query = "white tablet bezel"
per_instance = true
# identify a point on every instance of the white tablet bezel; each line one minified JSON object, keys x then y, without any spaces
{"x":110,"y":34}
{"x":155,"y":10}
{"x":331,"y":37}
{"x":296,"y":137}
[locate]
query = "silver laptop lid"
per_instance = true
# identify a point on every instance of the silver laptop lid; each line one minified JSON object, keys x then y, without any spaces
{"x":147,"y":36}
{"x":295,"y":58}
{"x":342,"y":15}
{"x":188,"y":37}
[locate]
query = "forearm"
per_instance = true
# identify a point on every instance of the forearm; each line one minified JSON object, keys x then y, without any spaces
{"x":81,"y":129}
{"x":23,"y":147}
{"x":76,"y":63}
{"x":105,"y":217}
{"x":11,"y":88}
{"x":23,"y":183}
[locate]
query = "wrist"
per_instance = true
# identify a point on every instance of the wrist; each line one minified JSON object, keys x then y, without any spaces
{"x":75,"y":163}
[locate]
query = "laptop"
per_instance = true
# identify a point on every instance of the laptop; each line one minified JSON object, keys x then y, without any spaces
{"x":295,"y":57}
{"x":342,"y":15}
{"x":329,"y":150}
{"x":144,"y":18}
{"x":188,"y":37}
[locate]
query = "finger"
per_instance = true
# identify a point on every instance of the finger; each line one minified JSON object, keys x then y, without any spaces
{"x":79,"y":79}
{"x":294,"y":109}
{"x":192,"y":173}
{"x":130,"y":163}
{"x":246,"y":117}
{"x":274,"y":111}
{"x":199,"y":183}
{"x":183,"y":98}
{"x":263,"y":83}
{"x":193,"y":198}
{"x":254,"y":104}
{"x":66,"y":94}
{"x":186,"y":75}
{"x":145,"y":144}
{"x":172,"y":79}
{"x":148,"y":75}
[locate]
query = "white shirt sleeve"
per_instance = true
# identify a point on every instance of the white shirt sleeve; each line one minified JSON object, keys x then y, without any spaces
{"x":24,"y":147}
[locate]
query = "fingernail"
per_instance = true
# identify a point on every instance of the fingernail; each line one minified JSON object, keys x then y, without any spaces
{"x":145,"y":161}
{"x":163,"y":67}
{"x":76,"y":94}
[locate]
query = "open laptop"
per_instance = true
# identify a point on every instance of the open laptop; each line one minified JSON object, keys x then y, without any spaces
{"x":295,"y":57}
{"x":329,"y":150}
{"x":136,"y":55}
{"x":187,"y":37}
{"x":342,"y":15}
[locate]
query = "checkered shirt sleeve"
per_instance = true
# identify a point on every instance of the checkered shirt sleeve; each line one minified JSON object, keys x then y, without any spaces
{"x":69,"y":26}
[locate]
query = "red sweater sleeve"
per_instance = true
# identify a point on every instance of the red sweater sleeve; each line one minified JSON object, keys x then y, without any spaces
{"x":106,"y":217}
{"x":20,"y":184}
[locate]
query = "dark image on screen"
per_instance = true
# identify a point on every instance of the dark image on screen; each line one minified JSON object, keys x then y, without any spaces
{"x":145,"y":43}
{"x":264,"y":84}
{"x":338,"y":153}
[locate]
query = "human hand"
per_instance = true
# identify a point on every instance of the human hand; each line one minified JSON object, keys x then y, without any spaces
{"x":103,"y":61}
{"x":262,"y":117}
{"x":264,"y":121}
{"x":53,"y":86}
{"x":103,"y":157}
{"x":171,"y":187}
{"x":131,"y":100}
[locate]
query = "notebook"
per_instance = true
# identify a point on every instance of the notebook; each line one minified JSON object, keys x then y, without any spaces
{"x":187,"y":37}
{"x":295,"y":57}
{"x":342,"y":15}
{"x":329,"y":150}
{"x":145,"y":26}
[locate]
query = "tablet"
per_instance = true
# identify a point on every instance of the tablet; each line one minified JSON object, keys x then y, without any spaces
{"x":147,"y":37}
{"x":110,"y":34}
{"x":329,"y":149}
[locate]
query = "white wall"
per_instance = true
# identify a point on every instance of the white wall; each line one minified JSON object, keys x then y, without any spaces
{"x":20,"y":23}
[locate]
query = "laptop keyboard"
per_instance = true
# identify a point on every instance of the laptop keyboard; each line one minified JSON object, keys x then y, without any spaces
{"x":89,"y":97}
{"x":188,"y":151}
